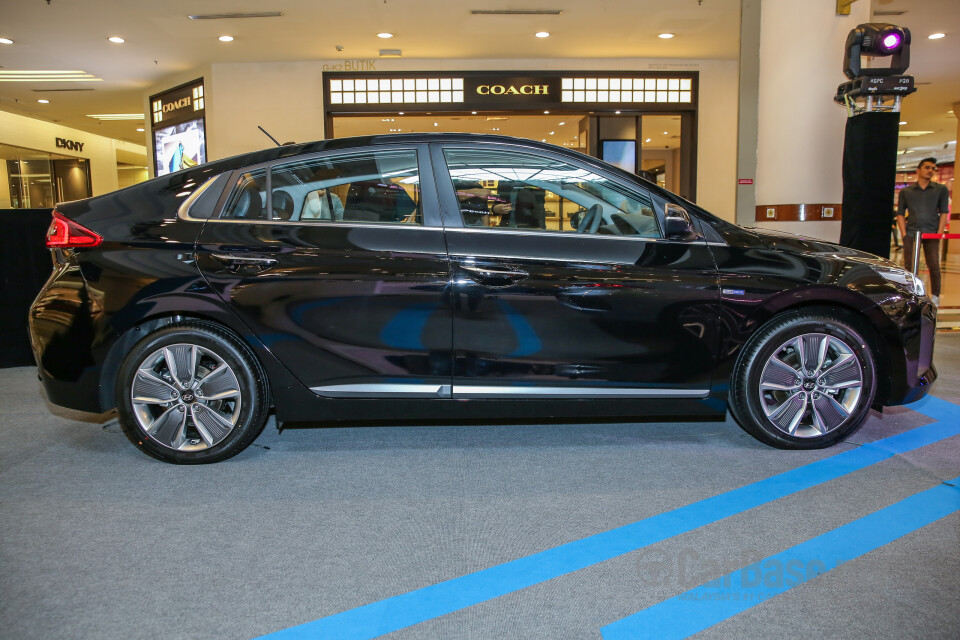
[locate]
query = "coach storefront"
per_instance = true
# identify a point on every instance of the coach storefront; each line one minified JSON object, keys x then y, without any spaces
{"x":640,"y":121}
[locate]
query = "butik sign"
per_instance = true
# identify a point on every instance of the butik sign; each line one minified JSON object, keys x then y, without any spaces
{"x":63,"y":143}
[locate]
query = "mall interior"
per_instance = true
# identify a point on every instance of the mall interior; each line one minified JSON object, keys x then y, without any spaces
{"x":453,"y":531}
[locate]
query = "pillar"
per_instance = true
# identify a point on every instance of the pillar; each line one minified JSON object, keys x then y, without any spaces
{"x":790,"y":66}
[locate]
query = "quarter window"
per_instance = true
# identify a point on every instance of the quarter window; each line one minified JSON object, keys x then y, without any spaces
{"x":377,"y":186}
{"x":512,"y":190}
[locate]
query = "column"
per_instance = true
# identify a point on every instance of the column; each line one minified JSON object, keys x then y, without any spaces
{"x":790,"y":66}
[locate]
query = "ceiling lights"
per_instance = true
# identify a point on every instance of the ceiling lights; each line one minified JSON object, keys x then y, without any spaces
{"x":384,"y":35}
{"x":116,"y":116}
{"x":666,"y":36}
{"x":6,"y":41}
{"x":43,"y":101}
{"x":225,"y":38}
{"x":227,"y":16}
{"x":936,"y":36}
{"x":116,"y":39}
{"x":47,"y":76}
{"x":542,"y":34}
{"x":516,"y":12}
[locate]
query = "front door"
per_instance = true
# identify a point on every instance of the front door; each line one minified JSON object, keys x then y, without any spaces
{"x":563,"y":285}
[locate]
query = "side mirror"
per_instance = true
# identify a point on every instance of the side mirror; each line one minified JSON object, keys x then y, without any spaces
{"x":677,"y":223}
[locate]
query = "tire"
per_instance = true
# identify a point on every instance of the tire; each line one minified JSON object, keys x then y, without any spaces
{"x":805,"y":380}
{"x":191,"y":393}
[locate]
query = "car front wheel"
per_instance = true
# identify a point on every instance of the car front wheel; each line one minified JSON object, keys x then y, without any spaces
{"x":805,"y":380}
{"x":190,"y":394}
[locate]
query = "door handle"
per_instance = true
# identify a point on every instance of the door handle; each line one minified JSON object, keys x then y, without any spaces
{"x":237,"y":262}
{"x":494,"y":276}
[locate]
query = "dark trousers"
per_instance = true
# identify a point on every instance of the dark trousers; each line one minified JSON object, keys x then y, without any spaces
{"x":931,"y":253}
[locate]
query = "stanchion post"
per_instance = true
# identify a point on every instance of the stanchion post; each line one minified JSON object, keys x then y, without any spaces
{"x":916,"y":253}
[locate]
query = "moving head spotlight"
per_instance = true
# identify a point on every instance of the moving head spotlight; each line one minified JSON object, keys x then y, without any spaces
{"x":877,"y":39}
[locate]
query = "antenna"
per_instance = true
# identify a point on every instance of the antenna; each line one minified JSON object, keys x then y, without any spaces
{"x":269,"y":136}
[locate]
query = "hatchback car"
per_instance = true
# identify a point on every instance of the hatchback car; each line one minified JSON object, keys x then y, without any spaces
{"x":456,"y":276}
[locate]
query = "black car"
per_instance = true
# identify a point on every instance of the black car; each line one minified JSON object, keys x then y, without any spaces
{"x":456,"y":276}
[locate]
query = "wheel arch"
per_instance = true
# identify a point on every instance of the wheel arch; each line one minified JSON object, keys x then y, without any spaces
{"x":136,"y":331}
{"x":876,"y":327}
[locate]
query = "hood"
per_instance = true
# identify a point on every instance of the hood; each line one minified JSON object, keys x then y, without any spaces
{"x":783,"y":241}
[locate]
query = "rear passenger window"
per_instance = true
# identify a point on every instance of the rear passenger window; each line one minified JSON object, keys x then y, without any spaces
{"x":375,"y":187}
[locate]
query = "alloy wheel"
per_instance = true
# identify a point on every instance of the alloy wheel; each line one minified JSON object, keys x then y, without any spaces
{"x":186,"y":397}
{"x":810,"y":385}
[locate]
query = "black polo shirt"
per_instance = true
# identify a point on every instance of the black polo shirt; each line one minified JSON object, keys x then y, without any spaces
{"x":924,"y":206}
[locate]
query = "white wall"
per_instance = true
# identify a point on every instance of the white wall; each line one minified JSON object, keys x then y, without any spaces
{"x":286,"y":98}
{"x":26,"y":132}
{"x":800,"y":129}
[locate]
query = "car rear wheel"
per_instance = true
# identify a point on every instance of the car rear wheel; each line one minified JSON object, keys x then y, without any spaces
{"x":805,"y":380}
{"x":191,"y":394}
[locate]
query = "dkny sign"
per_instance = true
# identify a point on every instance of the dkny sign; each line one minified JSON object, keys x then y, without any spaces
{"x":63,"y":143}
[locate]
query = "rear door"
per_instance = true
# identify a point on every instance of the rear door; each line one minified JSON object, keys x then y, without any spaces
{"x":337,"y":262}
{"x":563,"y":286}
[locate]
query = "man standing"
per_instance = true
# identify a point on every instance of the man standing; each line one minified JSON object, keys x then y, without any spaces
{"x":925,"y":202}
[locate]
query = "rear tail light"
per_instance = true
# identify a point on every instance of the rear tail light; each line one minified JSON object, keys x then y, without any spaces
{"x":64,"y":233}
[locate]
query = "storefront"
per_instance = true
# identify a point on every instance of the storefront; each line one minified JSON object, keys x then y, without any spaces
{"x":39,"y":179}
{"x":42,"y":163}
{"x":641,"y":121}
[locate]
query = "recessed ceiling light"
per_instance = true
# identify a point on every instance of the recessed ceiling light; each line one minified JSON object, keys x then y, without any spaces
{"x":937,"y":36}
{"x":435,"y":124}
{"x":474,"y":112}
{"x":6,"y":41}
{"x":666,"y":36}
{"x":384,"y":35}
{"x":552,"y":132}
{"x":140,"y":129}
{"x":648,"y":139}
{"x":543,"y":139}
{"x":903,"y":122}
{"x":116,"y":39}
{"x":542,"y":34}
{"x":666,"y":133}
{"x":616,"y":112}
{"x":43,"y":101}
{"x":562,"y":123}
{"x":547,"y":112}
{"x":400,"y":113}
{"x":225,"y":38}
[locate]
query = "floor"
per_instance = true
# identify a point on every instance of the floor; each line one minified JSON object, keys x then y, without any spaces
{"x":646,"y":530}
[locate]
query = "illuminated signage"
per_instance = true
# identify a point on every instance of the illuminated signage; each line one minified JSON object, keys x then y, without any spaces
{"x":528,"y":90}
{"x":178,"y":104}
{"x":524,"y":90}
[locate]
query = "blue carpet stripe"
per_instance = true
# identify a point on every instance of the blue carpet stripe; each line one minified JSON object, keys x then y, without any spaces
{"x":706,"y":605}
{"x":404,"y":610}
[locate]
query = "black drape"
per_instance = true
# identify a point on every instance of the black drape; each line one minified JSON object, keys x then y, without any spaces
{"x":869,"y":174}
{"x":25,"y":267}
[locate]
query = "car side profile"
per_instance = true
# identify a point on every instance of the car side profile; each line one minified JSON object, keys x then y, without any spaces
{"x":456,"y":276}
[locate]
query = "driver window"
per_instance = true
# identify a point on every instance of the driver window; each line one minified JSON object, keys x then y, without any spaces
{"x":510,"y":190}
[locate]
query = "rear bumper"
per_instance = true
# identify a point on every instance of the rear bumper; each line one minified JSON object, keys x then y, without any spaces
{"x":62,"y":334}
